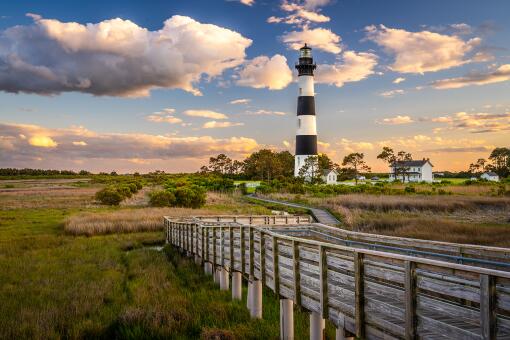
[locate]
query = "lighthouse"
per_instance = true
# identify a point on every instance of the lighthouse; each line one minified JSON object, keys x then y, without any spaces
{"x":306,"y":135}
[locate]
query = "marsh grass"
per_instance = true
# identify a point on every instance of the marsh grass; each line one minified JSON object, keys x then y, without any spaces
{"x":461,"y":219}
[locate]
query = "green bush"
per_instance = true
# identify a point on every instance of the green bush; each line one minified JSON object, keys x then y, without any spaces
{"x":410,"y":190}
{"x":190,"y":196}
{"x":124,"y":190}
{"x":162,"y":198}
{"x":109,"y":196}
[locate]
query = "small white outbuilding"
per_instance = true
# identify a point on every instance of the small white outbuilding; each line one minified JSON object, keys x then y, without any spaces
{"x":490,"y":176}
{"x":330,"y":176}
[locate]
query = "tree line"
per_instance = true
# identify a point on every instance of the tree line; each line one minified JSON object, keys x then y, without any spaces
{"x":498,"y":162}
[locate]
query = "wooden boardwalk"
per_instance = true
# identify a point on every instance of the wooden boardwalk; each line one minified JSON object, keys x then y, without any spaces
{"x":369,"y":293}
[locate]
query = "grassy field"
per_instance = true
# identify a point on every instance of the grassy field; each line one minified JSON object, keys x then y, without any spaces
{"x":454,"y":218}
{"x":56,"y":285}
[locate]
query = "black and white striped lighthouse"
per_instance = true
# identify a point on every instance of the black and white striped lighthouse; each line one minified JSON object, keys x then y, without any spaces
{"x":306,"y":135}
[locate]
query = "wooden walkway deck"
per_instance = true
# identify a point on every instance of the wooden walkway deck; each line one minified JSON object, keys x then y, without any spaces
{"x":373,"y":294}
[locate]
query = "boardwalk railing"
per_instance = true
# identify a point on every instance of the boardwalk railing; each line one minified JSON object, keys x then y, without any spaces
{"x":372,"y":294}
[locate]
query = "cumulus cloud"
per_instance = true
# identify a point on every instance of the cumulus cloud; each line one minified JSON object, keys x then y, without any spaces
{"x":163,"y":119}
{"x":420,"y":52}
{"x":354,"y":67}
{"x":115,"y":57}
{"x":247,"y":2}
{"x":391,"y":93}
{"x":500,"y":74}
{"x":479,"y":122}
{"x":399,"y":80}
{"x":320,"y":38}
{"x":110,"y":148}
{"x":240,"y":101}
{"x":397,"y":120}
{"x":264,"y":72}
{"x":205,"y":114}
{"x":214,"y":124}
{"x":301,"y":14}
{"x":351,"y":146}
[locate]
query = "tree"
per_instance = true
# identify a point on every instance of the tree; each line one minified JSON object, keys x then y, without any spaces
{"x":357,"y":163}
{"x":266,"y":164}
{"x":478,"y":167}
{"x":310,"y":171}
{"x":393,"y":160}
{"x":500,"y":161}
{"x":325,"y":163}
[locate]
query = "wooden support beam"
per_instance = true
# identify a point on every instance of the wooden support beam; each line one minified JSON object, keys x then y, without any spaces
{"x":410,"y":300}
{"x":359,"y":295}
{"x":252,"y":252}
{"x":276,"y":271}
{"x":241,"y":240}
{"x":488,"y":320}
{"x":231,"y":249}
{"x":323,"y":278}
{"x":222,"y":247}
{"x":295,"y":270}
{"x":262,"y":258}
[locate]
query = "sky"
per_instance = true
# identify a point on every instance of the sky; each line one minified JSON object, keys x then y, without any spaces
{"x":164,"y":85}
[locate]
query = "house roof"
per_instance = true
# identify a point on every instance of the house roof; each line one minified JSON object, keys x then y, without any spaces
{"x":491,"y":173}
{"x":412,"y":163}
{"x":327,"y":172}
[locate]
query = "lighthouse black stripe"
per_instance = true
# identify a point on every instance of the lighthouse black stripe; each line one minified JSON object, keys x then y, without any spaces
{"x":306,"y":145}
{"x":306,"y":105}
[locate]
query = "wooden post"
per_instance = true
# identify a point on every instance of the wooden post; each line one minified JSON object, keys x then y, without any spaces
{"x":207,"y":244}
{"x":488,"y":320}
{"x":359,"y":296}
{"x":241,"y":240}
{"x":214,"y":247}
{"x":252,"y":253}
{"x":222,"y":246}
{"x":297,"y":276}
{"x":410,"y":300}
{"x":262,"y":258}
{"x":231,"y":252}
{"x":323,"y":278}
{"x":276,"y":273}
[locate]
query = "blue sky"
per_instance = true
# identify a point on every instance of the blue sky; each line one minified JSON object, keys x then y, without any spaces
{"x":427,"y":77}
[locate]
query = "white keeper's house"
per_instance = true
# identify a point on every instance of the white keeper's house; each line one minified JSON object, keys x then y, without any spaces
{"x":330,"y":176}
{"x":490,"y":176}
{"x":412,"y":171}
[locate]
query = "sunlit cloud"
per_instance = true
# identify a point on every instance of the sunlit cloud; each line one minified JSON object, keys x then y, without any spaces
{"x":319,"y":38}
{"x":214,"y":124}
{"x":420,"y":52}
{"x":479,"y":122}
{"x":500,"y":74}
{"x":266,"y":113}
{"x":397,"y":120}
{"x":352,"y":68}
{"x":398,"y":80}
{"x":205,"y":114}
{"x":240,"y":101}
{"x":264,"y":72}
{"x":391,"y":93}
{"x":42,"y":141}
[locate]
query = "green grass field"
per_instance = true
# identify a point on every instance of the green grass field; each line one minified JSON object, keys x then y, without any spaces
{"x":54,"y":285}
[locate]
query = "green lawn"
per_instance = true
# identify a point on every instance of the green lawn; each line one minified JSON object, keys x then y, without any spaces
{"x":57,"y":286}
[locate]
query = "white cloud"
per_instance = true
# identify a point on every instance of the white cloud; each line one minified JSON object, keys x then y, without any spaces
{"x":391,"y":93}
{"x":501,"y":74}
{"x":397,"y":120}
{"x":398,"y":80}
{"x":478,"y":122}
{"x":247,"y":2}
{"x":205,"y":114}
{"x":301,"y":14}
{"x":264,"y":72}
{"x":351,"y":146}
{"x":240,"y":101}
{"x":420,"y":52}
{"x":319,"y":38}
{"x":214,"y":124}
{"x":354,"y":67}
{"x":266,"y":113}
{"x":115,"y":57}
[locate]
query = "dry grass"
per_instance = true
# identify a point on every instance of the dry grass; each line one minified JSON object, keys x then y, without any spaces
{"x":151,"y":219}
{"x":459,"y":219}
{"x":47,"y":198}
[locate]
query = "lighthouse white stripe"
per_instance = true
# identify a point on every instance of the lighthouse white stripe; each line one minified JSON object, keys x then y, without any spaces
{"x":306,"y":125}
{"x":306,"y":85}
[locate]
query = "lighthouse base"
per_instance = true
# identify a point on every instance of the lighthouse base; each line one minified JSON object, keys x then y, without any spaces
{"x":299,"y":162}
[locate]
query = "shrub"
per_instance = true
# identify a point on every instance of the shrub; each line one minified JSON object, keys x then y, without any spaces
{"x":161,"y":198}
{"x":124,"y":190}
{"x":410,"y":190}
{"x":190,"y":196}
{"x":109,"y":196}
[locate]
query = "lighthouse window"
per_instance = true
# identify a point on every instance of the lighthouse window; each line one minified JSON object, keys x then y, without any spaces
{"x":300,"y":91}
{"x":299,"y":123}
